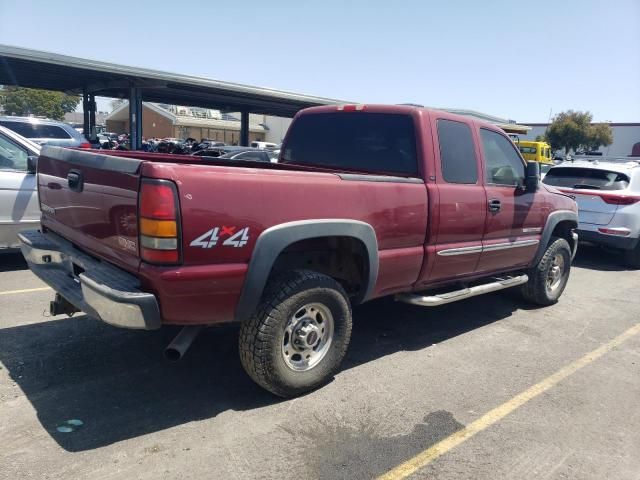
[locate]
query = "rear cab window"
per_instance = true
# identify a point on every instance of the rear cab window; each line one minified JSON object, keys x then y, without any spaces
{"x":586,"y":178}
{"x":360,"y":141}
{"x":36,"y":130}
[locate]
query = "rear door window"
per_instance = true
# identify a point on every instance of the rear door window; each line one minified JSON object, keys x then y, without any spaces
{"x":457,"y":152}
{"x":587,"y":178}
{"x":36,"y":130}
{"x":361,"y":141}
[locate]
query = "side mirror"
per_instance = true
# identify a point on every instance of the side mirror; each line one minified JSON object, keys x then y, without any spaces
{"x":532,"y":177}
{"x":32,"y":163}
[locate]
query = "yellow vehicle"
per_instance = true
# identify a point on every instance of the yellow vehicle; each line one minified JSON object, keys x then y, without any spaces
{"x":535,"y":151}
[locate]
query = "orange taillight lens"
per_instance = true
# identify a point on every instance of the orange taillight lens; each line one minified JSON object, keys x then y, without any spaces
{"x":158,"y":228}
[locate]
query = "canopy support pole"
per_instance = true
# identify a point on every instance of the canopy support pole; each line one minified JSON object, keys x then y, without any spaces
{"x":135,"y":119}
{"x":244,"y":129}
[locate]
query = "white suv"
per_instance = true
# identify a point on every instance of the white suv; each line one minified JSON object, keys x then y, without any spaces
{"x":608,"y":197}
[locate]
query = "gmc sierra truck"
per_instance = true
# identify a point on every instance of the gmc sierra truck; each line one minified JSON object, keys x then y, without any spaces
{"x":366,"y":201}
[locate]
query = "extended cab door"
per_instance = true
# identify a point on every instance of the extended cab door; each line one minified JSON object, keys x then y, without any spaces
{"x":514,"y":217}
{"x":457,"y":219}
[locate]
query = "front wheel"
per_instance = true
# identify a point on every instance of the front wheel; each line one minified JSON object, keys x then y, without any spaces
{"x":299,"y":334}
{"x":548,"y":279}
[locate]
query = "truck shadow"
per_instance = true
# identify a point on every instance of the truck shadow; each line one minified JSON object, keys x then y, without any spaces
{"x":117,"y":383}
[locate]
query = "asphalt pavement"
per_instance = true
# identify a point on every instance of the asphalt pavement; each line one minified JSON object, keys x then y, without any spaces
{"x":81,"y":399}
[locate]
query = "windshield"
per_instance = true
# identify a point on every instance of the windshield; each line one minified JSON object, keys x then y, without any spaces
{"x":586,"y":178}
{"x":360,"y":141}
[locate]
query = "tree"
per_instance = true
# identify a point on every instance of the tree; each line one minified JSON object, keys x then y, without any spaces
{"x":540,"y":138}
{"x":41,"y":103}
{"x":569,"y":130}
{"x":598,"y":135}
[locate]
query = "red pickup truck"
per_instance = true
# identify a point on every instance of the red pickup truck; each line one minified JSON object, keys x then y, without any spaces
{"x":366,"y":201}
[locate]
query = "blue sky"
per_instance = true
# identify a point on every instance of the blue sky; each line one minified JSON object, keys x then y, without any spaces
{"x":518,"y":60}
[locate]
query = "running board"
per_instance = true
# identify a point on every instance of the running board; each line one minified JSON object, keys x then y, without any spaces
{"x":449,"y":297}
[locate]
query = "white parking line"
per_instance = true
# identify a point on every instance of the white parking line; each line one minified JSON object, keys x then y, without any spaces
{"x":26,"y":290}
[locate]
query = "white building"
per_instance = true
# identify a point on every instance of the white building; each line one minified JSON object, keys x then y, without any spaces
{"x":626,"y":138}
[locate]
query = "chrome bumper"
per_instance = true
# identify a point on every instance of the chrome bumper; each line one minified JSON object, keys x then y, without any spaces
{"x":99,"y":289}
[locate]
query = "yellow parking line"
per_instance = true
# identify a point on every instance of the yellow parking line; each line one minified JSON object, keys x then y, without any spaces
{"x":427,"y":456}
{"x":26,"y":290}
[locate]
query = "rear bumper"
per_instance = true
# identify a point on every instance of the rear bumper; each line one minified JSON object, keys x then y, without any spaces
{"x":99,"y":289}
{"x":623,"y":243}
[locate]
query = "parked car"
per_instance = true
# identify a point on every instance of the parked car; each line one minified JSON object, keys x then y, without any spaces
{"x":42,"y":131}
{"x":19,"y":209}
{"x":264,"y":145}
{"x":254,"y":154}
{"x":422,"y":204}
{"x":219,"y":151}
{"x":608,"y":196}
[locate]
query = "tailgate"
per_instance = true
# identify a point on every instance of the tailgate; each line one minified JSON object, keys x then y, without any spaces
{"x":91,"y":199}
{"x":593,"y":209}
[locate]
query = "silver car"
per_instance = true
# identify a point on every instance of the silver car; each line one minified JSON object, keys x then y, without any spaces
{"x":42,"y":131}
{"x":19,"y":209}
{"x":608,"y":197}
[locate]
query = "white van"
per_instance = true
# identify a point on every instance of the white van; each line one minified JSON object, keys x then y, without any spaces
{"x":264,"y":145}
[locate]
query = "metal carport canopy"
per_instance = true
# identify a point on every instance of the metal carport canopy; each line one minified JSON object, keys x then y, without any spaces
{"x":51,"y":71}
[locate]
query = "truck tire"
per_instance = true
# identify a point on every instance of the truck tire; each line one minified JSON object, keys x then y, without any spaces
{"x":299,"y":334}
{"x":548,"y":278}
{"x":632,"y":257}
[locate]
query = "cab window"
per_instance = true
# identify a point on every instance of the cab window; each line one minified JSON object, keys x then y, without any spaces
{"x":503,"y":165}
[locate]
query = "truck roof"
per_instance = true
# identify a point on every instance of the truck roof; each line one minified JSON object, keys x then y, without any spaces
{"x":403,"y":109}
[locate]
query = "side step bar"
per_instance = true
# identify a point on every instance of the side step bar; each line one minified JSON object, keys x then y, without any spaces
{"x":449,"y":297}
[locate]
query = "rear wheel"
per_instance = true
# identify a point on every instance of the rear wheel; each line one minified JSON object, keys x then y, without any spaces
{"x":632,"y":257}
{"x":548,"y":279}
{"x":299,"y":334}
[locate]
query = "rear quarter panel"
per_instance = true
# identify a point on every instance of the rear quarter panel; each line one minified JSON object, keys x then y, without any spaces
{"x":234,"y":198}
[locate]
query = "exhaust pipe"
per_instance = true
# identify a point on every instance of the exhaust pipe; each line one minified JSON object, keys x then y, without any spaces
{"x":179,"y":346}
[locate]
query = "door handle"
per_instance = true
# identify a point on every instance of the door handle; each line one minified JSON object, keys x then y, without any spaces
{"x":495,"y":205}
{"x":75,"y":180}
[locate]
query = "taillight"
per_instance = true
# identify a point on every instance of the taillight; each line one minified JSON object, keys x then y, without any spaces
{"x":610,"y":198}
{"x":158,"y":222}
{"x":84,"y":145}
{"x":620,"y":199}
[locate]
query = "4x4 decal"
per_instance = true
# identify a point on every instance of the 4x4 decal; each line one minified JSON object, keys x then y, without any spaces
{"x":212,"y":237}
